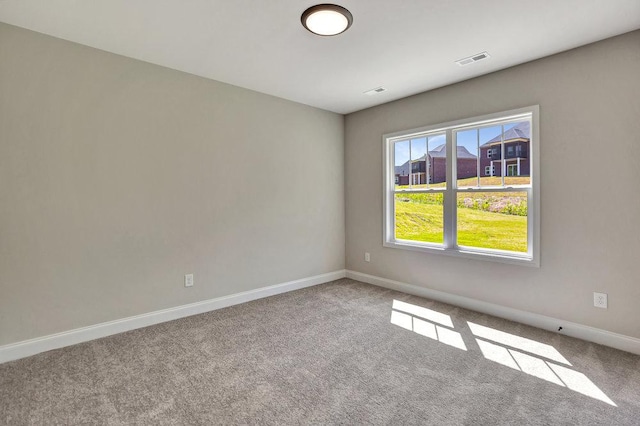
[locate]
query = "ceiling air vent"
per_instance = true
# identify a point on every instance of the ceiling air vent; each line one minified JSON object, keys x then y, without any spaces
{"x":471,"y":59}
{"x":375,"y":91}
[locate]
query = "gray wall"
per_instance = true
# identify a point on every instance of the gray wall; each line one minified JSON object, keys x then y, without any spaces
{"x":117,"y":177}
{"x":590,"y":174}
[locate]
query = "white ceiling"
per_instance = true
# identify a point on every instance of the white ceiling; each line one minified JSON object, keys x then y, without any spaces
{"x":406,"y":46}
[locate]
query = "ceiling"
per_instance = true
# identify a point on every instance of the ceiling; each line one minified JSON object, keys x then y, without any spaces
{"x":406,"y":46}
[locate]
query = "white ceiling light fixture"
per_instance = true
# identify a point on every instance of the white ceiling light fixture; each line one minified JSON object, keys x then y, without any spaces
{"x":327,"y":19}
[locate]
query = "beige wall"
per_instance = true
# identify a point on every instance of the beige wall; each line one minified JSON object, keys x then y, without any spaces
{"x":590,"y":174}
{"x":118,"y":177}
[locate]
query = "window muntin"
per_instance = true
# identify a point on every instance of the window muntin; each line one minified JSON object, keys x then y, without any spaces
{"x":490,"y":209}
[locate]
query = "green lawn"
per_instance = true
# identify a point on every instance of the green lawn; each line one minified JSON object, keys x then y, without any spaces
{"x":421,"y":219}
{"x":419,"y":222}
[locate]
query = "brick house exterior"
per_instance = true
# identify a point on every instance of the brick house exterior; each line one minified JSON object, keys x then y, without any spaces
{"x":433,"y":167}
{"x":516,"y":153}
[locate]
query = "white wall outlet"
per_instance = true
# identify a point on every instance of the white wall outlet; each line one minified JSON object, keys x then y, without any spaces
{"x":600,"y":300}
{"x":188,"y":280}
{"x":367,"y":257}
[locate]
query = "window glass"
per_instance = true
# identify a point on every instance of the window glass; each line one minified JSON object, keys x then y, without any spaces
{"x":437,"y":161}
{"x":401,"y":163}
{"x":493,"y":220}
{"x":467,"y":163}
{"x":489,"y":142}
{"x":419,"y":217}
{"x":517,"y":136}
{"x":419,"y":162}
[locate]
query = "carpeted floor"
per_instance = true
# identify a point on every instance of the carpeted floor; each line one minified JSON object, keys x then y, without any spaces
{"x":342,"y":352}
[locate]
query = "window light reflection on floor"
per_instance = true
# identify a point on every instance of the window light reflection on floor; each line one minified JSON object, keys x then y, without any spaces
{"x":546,"y":370}
{"x":424,"y":313}
{"x":517,"y":342}
{"x":508,"y":349}
{"x":518,"y":361}
{"x":513,"y":351}
{"x":426,"y":328}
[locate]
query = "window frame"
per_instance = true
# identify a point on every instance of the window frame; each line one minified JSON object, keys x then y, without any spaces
{"x":491,"y":172}
{"x":450,"y":246}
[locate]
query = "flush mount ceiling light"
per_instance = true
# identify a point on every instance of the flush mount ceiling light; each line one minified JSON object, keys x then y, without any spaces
{"x":327,"y":19}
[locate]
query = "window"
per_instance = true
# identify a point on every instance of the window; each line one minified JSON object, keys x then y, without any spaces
{"x":489,"y":170}
{"x":510,"y":150}
{"x":457,"y":210}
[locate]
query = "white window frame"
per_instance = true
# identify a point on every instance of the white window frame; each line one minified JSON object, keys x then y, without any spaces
{"x":450,"y":246}
{"x":492,"y":170}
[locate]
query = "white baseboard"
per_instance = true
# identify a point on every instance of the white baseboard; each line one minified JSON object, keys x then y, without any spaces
{"x":30,"y":347}
{"x":603,"y":337}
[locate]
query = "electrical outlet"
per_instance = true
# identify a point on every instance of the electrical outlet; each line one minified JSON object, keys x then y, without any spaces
{"x":600,"y":300}
{"x":367,"y":257}
{"x":188,"y":280}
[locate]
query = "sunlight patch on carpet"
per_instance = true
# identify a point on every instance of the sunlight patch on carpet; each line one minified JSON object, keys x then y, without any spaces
{"x":509,"y":356}
{"x":518,"y":353}
{"x":415,"y":321}
{"x":527,"y":345}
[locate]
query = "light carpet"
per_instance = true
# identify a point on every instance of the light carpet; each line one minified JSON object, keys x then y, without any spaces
{"x":338,"y":353}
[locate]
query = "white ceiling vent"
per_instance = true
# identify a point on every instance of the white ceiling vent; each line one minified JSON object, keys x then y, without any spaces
{"x":375,"y":91}
{"x":471,"y":59}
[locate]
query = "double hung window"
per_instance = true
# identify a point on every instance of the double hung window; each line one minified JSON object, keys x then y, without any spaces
{"x":450,"y":188}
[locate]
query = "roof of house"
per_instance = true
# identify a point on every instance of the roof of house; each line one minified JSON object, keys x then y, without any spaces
{"x":438,"y":152}
{"x":441,"y":152}
{"x":521,"y":131}
{"x":403,"y":170}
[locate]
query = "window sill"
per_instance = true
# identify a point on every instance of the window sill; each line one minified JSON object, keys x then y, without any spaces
{"x":467,"y":253}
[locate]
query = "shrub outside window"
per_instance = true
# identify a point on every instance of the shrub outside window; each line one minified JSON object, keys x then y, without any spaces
{"x":466,"y":188}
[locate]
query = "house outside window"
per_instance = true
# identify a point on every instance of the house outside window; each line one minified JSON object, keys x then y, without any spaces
{"x":481,"y":205}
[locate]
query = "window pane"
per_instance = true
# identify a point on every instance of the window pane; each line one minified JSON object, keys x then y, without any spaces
{"x":517,"y":137}
{"x":419,"y":162}
{"x":437,"y":161}
{"x":467,"y":158}
{"x":493,"y":220}
{"x":401,"y":163}
{"x":490,"y":155}
{"x":419,"y":217}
